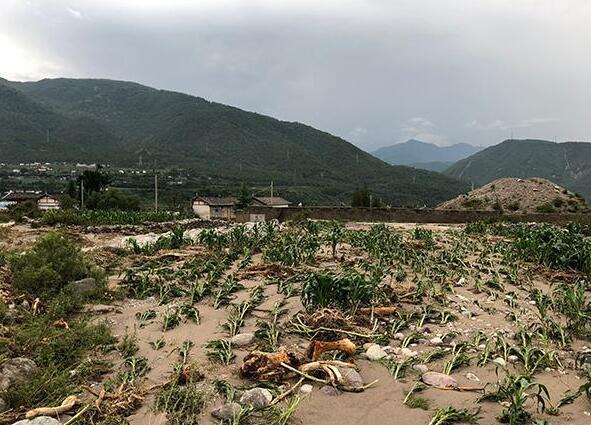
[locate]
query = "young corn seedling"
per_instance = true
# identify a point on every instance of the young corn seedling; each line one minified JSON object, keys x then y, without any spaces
{"x":516,"y":390}
{"x":190,"y":313}
{"x":158,"y":344}
{"x":449,"y":415}
{"x":221,"y":350}
{"x":171,"y":319}
{"x":458,"y":359}
{"x":145,"y":317}
{"x":280,"y":415}
{"x":415,"y":401}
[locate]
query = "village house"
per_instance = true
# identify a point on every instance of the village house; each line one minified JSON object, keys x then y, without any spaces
{"x":274,"y":202}
{"x":213,"y":208}
{"x":44,"y":201}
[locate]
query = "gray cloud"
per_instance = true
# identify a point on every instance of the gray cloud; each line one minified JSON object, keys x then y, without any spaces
{"x":365,"y":70}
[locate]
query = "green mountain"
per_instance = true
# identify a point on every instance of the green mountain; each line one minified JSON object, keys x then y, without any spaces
{"x":116,"y":122}
{"x":567,"y":164}
{"x":423,"y":155}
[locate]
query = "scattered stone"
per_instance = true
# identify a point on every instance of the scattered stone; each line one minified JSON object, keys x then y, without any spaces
{"x":16,"y":371}
{"x":100,"y":308}
{"x":351,"y":377}
{"x":513,"y":358}
{"x":242,"y":340}
{"x":499,"y":361}
{"x":368,"y":344}
{"x":306,"y":389}
{"x":84,"y":287}
{"x":258,"y":398}
{"x":226,"y":411}
{"x":375,"y":352}
{"x":25,"y":304}
{"x":439,"y":380}
{"x":388,"y":349}
{"x":436,"y":341}
{"x":407,"y":352}
{"x":330,"y":391}
{"x":41,"y":420}
{"x":399,"y":336}
{"x":421,"y":368}
{"x":472,"y":377}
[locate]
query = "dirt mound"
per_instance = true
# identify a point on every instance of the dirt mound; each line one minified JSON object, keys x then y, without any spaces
{"x":519,"y":196}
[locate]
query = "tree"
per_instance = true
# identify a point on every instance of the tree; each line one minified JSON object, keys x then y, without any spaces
{"x":363,"y":198}
{"x":113,"y":199}
{"x":360,"y":198}
{"x":94,"y":181}
{"x":244,"y":198}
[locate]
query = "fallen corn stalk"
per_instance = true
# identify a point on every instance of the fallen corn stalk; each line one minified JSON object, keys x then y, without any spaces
{"x":67,"y":405}
{"x":333,"y":375}
{"x":316,"y":348}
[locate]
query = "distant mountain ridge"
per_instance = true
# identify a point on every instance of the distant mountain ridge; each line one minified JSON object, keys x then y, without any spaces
{"x":116,"y":122}
{"x":424,"y":155}
{"x":567,"y":164}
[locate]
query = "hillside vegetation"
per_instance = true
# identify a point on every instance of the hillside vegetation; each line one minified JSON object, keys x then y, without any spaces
{"x":117,"y":122}
{"x":566,"y":164}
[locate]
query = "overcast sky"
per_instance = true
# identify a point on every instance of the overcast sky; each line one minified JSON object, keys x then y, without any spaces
{"x":375,"y":72}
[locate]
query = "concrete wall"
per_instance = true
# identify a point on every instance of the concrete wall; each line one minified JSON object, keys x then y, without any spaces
{"x":400,"y":215}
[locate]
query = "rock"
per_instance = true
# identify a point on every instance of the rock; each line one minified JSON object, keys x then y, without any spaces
{"x":513,"y":358}
{"x":258,"y":398}
{"x":84,"y":287}
{"x":227,"y":411}
{"x":41,"y":420}
{"x":407,"y":352}
{"x":439,"y":380}
{"x":100,"y":308}
{"x":306,"y":389}
{"x":389,"y":350}
{"x":351,"y":377}
{"x":375,"y":352}
{"x":422,"y":368}
{"x":368,"y":344}
{"x":16,"y":371}
{"x":65,"y":418}
{"x":499,"y":361}
{"x":399,"y":336}
{"x":472,"y":377}
{"x":25,"y":304}
{"x":436,"y":341}
{"x":330,"y":391}
{"x":242,"y":340}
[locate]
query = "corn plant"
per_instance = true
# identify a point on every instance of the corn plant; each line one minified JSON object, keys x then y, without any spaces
{"x":221,"y":351}
{"x":449,"y":415}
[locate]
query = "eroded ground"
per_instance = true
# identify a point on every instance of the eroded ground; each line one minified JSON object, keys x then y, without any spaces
{"x":466,"y":305}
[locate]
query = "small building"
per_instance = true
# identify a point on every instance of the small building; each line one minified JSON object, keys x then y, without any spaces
{"x":44,"y":201}
{"x":214,"y":208}
{"x":274,"y":202}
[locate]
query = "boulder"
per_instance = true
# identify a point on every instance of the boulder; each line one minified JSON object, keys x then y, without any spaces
{"x":351,"y":377}
{"x":84,"y":287}
{"x":226,"y":411}
{"x":330,"y":391}
{"x":16,"y":371}
{"x":41,"y":420}
{"x":242,"y":340}
{"x":258,"y":398}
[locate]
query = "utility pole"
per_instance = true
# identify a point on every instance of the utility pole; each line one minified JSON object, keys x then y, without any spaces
{"x":271,"y":188}
{"x":156,"y":191}
{"x":82,"y":193}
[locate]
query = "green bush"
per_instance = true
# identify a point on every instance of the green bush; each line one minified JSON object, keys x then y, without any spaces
{"x":25,"y":209}
{"x":52,"y":263}
{"x":113,"y":199}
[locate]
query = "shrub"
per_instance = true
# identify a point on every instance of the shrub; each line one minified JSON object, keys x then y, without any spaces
{"x":113,"y":199}
{"x":25,"y":209}
{"x":52,"y":263}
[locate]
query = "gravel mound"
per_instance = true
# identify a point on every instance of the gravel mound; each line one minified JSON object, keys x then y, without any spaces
{"x":512,"y":195}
